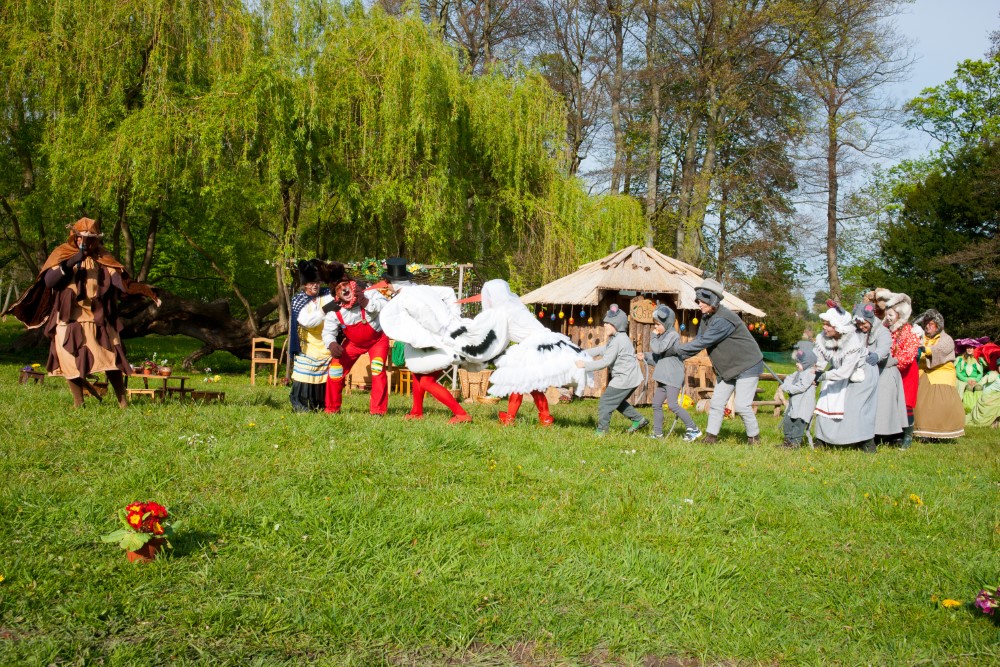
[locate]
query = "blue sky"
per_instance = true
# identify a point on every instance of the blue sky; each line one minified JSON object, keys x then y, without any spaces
{"x":944,"y":33}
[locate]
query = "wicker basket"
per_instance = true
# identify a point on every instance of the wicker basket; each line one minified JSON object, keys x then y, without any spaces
{"x":474,"y":385}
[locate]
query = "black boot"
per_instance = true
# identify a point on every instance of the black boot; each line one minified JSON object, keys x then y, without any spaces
{"x":907,"y":437}
{"x":869,"y":446}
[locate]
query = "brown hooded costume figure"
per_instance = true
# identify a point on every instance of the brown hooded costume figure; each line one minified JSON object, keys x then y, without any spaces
{"x":75,"y":299}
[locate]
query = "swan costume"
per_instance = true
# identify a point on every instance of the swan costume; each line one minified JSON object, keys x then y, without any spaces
{"x":540,"y":358}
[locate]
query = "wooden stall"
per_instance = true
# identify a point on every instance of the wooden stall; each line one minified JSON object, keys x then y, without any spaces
{"x":637,"y":279}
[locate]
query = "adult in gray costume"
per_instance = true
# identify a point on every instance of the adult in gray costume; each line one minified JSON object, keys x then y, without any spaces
{"x":890,"y":412}
{"x":736,"y":359}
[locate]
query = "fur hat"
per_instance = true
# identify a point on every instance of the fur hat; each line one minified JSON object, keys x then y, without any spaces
{"x":709,"y":292}
{"x":837,"y":317}
{"x":665,"y":316}
{"x":864,"y":312}
{"x":617,"y":318}
{"x":309,"y":271}
{"x":897,"y":302}
{"x":804,"y":354}
{"x":930,"y":315}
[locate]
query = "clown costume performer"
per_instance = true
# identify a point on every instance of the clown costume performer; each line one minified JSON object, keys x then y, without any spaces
{"x":355,"y":314}
{"x":539,"y":358}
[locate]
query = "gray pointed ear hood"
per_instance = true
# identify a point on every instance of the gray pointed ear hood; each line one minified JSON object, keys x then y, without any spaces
{"x":665,"y":316}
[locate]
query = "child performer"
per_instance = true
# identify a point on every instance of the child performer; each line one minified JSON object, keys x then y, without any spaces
{"x":801,"y":391}
{"x":668,"y":373}
{"x":618,"y":355}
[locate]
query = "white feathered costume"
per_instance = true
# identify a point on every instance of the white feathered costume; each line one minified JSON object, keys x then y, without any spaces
{"x":427,"y":319}
{"x":540,"y":359}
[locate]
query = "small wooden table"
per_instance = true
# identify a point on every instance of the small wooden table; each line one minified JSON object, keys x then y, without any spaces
{"x":166,"y":389}
{"x":27,"y":376}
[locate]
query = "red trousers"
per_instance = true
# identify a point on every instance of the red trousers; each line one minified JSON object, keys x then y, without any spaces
{"x":376,"y":344}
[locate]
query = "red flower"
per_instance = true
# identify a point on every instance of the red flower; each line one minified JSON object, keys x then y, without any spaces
{"x":157,"y":510}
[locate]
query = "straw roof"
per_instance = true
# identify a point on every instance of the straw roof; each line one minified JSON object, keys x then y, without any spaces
{"x":644,"y":270}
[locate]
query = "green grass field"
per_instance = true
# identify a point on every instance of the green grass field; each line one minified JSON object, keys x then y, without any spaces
{"x":356,"y":540}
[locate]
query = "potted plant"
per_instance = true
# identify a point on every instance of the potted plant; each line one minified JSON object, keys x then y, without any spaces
{"x":164,"y":368}
{"x":146,"y":530}
{"x":148,"y":367}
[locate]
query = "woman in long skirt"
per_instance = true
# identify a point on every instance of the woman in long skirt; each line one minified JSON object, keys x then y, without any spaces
{"x":939,"y":413}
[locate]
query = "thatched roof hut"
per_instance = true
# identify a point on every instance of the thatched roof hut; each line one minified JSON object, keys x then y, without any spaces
{"x":635,"y":278}
{"x":640,"y":270}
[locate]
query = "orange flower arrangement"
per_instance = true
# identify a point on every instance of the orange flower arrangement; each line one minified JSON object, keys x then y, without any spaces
{"x":143,"y":522}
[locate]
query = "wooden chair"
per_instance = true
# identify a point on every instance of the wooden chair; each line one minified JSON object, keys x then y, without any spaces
{"x":404,"y":381}
{"x":262,"y":352}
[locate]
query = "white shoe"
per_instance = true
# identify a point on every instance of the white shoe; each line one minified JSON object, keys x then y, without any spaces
{"x":692,"y":434}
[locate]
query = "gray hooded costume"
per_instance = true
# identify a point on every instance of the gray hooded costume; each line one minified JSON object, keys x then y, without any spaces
{"x":668,"y":367}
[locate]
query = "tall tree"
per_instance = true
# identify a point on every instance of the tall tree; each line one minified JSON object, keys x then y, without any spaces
{"x":852,"y":53}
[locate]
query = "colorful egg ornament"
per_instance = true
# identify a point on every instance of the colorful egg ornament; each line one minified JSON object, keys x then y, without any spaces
{"x":571,"y":320}
{"x":590,"y":320}
{"x":683,"y":327}
{"x":583,"y":313}
{"x":694,"y":321}
{"x":560,"y":314}
{"x":552,"y":316}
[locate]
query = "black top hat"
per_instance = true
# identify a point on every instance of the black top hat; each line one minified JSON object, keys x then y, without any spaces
{"x":395,"y":269}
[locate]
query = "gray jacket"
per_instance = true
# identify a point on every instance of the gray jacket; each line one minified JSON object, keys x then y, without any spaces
{"x":669,"y":369}
{"x":801,"y":393}
{"x":619,"y":355}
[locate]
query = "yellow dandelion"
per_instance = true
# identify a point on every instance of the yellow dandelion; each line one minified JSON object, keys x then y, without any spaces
{"x":916,"y":499}
{"x":1,"y":578}
{"x":951,"y":604}
{"x":867,"y":495}
{"x":252,"y":424}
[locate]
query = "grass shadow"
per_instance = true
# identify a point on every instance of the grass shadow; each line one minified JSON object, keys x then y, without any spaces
{"x":187,"y":542}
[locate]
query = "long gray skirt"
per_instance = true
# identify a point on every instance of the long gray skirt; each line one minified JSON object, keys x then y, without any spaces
{"x":890,"y":417}
{"x":858,"y":424}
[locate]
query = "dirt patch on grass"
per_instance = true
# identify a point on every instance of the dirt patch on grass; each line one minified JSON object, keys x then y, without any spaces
{"x":530,"y":654}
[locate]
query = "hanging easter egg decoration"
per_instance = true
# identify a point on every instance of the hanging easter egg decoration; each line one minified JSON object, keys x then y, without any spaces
{"x":571,"y":320}
{"x":560,"y":314}
{"x":683,"y":327}
{"x":552,"y":316}
{"x":541,"y":314}
{"x":694,"y":321}
{"x":590,"y":320}
{"x":583,"y":313}
{"x":765,"y":333}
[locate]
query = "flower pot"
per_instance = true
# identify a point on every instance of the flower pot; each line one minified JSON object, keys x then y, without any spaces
{"x":146,"y":552}
{"x":165,"y":371}
{"x":147,"y":371}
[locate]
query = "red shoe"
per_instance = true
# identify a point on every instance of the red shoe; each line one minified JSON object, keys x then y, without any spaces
{"x":412,"y":415}
{"x":545,"y":419}
{"x":460,"y":419}
{"x":506,"y":419}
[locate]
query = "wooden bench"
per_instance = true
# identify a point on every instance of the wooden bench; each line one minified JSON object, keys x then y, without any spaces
{"x":154,"y":394}
{"x":208,"y":396}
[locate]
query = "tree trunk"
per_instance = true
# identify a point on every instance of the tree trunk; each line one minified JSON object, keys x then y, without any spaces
{"x":687,"y":183}
{"x":615,"y":14}
{"x":832,"y":151}
{"x":147,"y":258}
{"x":653,"y":162}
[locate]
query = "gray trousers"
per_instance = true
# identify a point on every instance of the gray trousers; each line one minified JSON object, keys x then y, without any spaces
{"x":745,"y":389}
{"x":615,"y":399}
{"x":794,"y":429}
{"x":668,"y":394}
